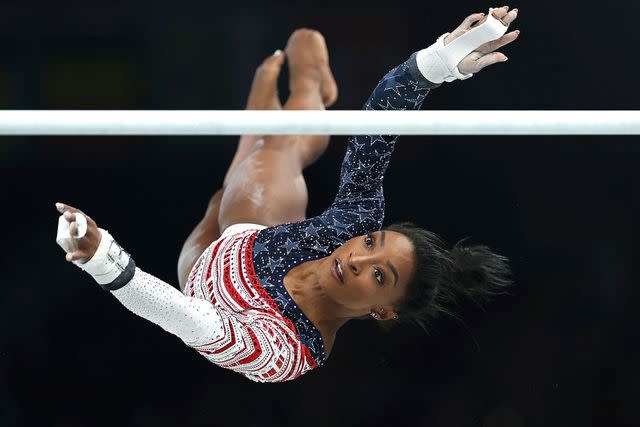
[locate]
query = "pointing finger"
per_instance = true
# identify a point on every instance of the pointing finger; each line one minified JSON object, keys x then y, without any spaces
{"x":64,"y":209}
{"x":61,"y":207}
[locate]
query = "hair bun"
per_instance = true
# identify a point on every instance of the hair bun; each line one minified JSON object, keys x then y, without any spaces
{"x":442,"y":276}
{"x":479,"y":272}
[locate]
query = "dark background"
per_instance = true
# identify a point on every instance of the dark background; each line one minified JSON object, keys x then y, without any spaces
{"x":559,"y":351}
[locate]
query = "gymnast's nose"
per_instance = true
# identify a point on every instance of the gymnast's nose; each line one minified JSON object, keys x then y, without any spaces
{"x":357,"y":262}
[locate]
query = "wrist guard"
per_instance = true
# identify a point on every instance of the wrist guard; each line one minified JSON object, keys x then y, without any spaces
{"x":111,"y":266}
{"x":439,"y":63}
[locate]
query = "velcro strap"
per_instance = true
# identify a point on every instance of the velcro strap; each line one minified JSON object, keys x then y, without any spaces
{"x":124,"y":277}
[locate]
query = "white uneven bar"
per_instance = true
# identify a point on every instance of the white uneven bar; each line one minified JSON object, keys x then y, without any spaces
{"x":335,"y":122}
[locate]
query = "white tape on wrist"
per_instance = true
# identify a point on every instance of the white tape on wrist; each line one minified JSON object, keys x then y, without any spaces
{"x":109,"y":261}
{"x":439,"y":63}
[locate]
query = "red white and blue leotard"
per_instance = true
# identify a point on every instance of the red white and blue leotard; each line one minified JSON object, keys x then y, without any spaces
{"x":236,"y":311}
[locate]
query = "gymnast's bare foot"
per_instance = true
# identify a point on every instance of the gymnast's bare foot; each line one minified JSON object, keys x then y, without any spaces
{"x":264,"y":89}
{"x":309,"y":61}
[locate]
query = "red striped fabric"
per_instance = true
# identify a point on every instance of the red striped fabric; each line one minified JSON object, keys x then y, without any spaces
{"x":258,"y":341}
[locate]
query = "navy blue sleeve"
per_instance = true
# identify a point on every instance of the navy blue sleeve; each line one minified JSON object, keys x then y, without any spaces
{"x":359,"y":204}
{"x":358,"y":207}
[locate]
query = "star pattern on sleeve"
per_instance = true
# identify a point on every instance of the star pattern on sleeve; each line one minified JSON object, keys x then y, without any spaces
{"x":311,"y":230}
{"x":259,"y":247}
{"x":279,"y":229}
{"x":340,"y":227}
{"x":274,"y":263}
{"x":289,"y":245}
{"x":418,"y":100}
{"x":393,"y":85}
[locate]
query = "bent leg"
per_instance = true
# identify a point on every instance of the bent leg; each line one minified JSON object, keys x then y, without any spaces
{"x":263,"y":96}
{"x":311,"y":86}
{"x":264,"y":184}
{"x":268,"y":187}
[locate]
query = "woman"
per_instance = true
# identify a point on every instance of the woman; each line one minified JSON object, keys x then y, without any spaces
{"x":266,"y":297}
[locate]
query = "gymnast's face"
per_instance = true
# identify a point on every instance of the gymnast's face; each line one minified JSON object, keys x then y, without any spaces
{"x":369,"y":274}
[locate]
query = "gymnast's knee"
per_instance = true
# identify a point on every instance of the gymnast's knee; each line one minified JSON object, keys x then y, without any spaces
{"x":313,"y":148}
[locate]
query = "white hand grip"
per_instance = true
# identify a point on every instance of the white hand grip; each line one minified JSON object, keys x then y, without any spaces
{"x":64,"y":237}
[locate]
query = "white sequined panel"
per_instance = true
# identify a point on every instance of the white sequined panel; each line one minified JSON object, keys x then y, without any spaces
{"x":192,"y":320}
{"x":256,"y":343}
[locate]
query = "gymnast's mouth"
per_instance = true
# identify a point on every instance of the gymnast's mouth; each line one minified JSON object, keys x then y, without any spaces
{"x":336,"y":269}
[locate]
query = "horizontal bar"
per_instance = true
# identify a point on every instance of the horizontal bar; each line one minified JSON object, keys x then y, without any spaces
{"x":335,"y":122}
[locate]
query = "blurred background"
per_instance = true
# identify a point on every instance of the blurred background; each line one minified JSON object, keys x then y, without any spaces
{"x":560,"y":350}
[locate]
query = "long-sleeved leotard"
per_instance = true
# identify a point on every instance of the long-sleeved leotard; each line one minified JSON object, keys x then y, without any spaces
{"x":236,"y":311}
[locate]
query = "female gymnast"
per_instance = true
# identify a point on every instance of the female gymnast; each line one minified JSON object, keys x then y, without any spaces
{"x":265,"y":290}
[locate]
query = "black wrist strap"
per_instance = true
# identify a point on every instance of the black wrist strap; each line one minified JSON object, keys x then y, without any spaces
{"x":124,"y":277}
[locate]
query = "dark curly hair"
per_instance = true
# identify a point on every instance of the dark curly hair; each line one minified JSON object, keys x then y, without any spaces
{"x":442,"y":276}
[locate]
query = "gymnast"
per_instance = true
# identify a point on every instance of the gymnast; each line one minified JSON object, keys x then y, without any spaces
{"x":264,"y":289}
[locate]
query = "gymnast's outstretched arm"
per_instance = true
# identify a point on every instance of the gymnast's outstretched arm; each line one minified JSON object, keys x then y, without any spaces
{"x":456,"y":55}
{"x":220,"y":334}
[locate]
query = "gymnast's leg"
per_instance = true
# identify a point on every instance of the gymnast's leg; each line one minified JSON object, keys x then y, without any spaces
{"x":263,"y":96}
{"x":268,"y":186}
{"x":264,"y":184}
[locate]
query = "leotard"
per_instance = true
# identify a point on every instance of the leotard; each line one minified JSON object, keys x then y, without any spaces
{"x":235,"y":310}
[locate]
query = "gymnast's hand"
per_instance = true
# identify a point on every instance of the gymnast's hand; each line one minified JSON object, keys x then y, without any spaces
{"x":87,"y":245}
{"x":485,"y":55}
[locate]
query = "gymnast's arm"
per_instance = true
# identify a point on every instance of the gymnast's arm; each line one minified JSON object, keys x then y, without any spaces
{"x":192,"y":320}
{"x":360,"y":199}
{"x":367,"y":156}
{"x":456,"y":55}
{"x":210,"y":330}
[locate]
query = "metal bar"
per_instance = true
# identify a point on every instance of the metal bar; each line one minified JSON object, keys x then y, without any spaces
{"x":335,"y":122}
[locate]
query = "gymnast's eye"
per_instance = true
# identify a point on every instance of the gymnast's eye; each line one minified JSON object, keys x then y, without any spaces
{"x":379,"y":275}
{"x":369,"y":240}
